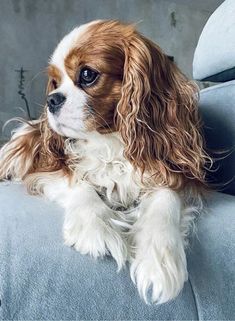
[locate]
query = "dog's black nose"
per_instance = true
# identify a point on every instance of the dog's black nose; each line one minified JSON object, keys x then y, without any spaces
{"x":55,"y":102}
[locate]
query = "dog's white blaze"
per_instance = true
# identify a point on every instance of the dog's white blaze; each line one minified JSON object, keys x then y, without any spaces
{"x":67,"y":44}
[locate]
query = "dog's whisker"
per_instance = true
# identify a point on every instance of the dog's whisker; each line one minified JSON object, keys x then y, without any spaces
{"x":96,"y":113}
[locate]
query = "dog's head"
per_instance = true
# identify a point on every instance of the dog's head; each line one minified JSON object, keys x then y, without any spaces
{"x":86,"y":74}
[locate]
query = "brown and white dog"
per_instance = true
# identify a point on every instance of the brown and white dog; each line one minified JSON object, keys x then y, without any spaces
{"x":119,"y":147}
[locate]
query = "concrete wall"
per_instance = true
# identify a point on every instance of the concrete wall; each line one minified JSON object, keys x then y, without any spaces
{"x":30,"y":29}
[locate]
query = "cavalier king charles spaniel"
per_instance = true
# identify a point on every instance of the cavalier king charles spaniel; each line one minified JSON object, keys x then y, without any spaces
{"x":119,"y":147}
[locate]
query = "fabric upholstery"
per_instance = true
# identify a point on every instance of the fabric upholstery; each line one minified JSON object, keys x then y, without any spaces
{"x":214,"y":57}
{"x":217,"y":106}
{"x":40,"y":278}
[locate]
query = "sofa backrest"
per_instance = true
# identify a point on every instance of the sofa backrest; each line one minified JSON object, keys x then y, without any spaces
{"x":214,"y":60}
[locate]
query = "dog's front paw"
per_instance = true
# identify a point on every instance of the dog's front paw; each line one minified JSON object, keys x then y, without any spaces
{"x":97,"y":238}
{"x":159,"y":274}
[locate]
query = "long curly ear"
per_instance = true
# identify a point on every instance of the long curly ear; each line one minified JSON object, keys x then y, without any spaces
{"x":157,"y":117}
{"x":33,"y":148}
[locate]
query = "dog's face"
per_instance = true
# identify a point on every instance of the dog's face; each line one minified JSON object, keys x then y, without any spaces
{"x":85,"y":72}
{"x":105,"y":76}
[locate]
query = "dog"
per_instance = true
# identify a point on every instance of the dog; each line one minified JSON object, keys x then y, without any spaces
{"x":119,"y":147}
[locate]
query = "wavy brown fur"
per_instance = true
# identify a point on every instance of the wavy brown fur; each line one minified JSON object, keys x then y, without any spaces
{"x":37,"y":149}
{"x":157,"y":117}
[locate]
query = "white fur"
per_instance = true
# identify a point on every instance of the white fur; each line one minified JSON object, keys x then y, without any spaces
{"x":159,"y":258}
{"x":89,"y":223}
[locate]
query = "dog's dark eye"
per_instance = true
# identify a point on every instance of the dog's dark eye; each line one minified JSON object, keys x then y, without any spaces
{"x":87,"y":76}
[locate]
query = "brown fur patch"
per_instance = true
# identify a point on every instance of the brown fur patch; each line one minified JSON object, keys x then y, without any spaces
{"x":54,"y":75}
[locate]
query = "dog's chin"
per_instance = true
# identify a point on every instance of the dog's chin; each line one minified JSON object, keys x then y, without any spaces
{"x":65,"y":130}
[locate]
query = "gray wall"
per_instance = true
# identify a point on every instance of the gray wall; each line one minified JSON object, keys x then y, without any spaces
{"x":30,"y":29}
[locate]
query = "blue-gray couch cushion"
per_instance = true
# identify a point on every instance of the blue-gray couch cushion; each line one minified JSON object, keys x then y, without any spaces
{"x":214,"y":57}
{"x":217,"y":106}
{"x":41,"y":279}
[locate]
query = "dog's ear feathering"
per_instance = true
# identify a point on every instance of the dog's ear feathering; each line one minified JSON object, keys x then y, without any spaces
{"x":157,"y":117}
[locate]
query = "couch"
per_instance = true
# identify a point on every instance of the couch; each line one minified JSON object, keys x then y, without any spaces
{"x":41,"y":279}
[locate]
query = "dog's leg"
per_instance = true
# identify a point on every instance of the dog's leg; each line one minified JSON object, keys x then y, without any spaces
{"x":159,"y":261}
{"x":88,"y":224}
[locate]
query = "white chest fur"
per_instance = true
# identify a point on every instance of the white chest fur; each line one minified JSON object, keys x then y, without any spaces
{"x":100,"y":162}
